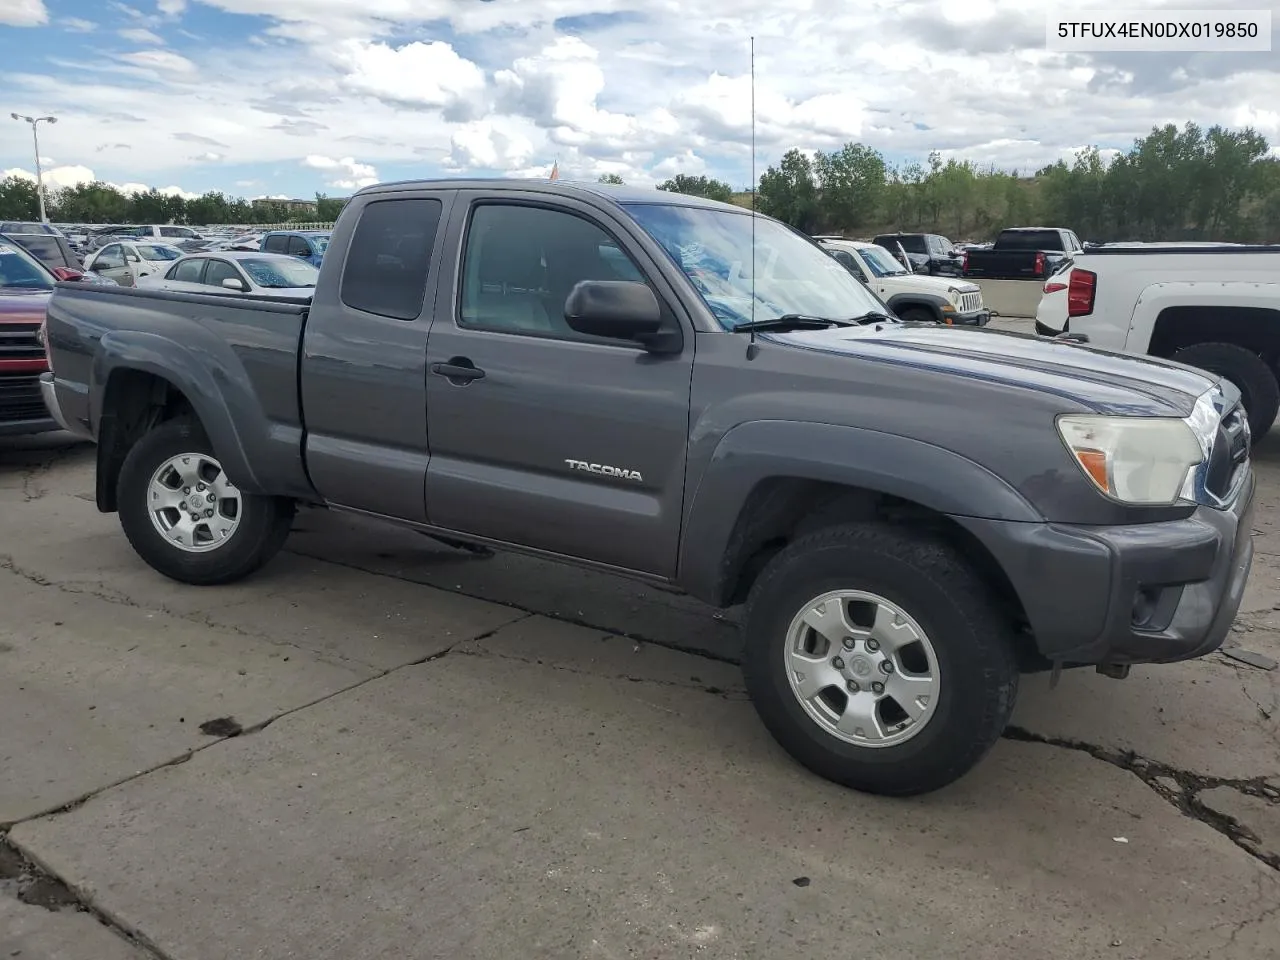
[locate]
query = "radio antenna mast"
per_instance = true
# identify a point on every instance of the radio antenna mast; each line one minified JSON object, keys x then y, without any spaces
{"x":751,"y":345}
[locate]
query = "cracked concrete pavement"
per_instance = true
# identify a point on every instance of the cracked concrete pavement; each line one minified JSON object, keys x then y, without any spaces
{"x":432,"y":755}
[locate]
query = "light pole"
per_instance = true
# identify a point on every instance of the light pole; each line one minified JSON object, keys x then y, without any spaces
{"x":35,"y":139}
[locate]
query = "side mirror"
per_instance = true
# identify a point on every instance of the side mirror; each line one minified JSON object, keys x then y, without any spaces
{"x":617,"y":309}
{"x":66,"y":273}
{"x":98,"y":266}
{"x":232,"y":283}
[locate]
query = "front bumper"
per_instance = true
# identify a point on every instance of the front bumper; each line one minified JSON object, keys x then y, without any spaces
{"x":49,"y":393}
{"x":21,"y":409}
{"x":1146,"y":593}
{"x":979,"y":318}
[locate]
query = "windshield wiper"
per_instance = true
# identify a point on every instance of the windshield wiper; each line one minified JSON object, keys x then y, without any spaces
{"x":872,"y":316}
{"x":791,"y":321}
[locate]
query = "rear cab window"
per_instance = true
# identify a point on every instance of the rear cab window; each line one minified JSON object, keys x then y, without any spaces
{"x":389,"y":257}
{"x":1029,"y":240}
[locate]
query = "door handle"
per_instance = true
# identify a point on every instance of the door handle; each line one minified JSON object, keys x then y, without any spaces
{"x":458,"y":370}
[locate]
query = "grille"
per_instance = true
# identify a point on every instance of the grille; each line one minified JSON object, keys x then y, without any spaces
{"x":20,"y":399}
{"x":18,"y":342}
{"x":970,"y":302}
{"x":1230,"y":453}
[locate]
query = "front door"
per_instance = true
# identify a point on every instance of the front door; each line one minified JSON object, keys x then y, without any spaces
{"x":110,"y":263}
{"x":541,"y":436}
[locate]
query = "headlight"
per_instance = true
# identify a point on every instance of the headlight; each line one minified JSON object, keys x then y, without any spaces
{"x":1138,"y":460}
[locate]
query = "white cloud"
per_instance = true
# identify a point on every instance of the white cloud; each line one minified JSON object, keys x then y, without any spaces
{"x":349,"y":174}
{"x":23,"y":13}
{"x":73,"y":176}
{"x":429,"y":74}
{"x":420,"y":87}
{"x":76,"y":25}
{"x":165,"y":61}
{"x":140,"y":35}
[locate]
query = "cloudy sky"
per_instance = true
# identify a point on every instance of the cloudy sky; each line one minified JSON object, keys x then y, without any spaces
{"x":290,"y":97}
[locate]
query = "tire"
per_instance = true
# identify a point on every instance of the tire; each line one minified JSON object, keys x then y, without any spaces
{"x":916,"y":315}
{"x":253,"y":536}
{"x":973,"y":662}
{"x":1259,"y":389}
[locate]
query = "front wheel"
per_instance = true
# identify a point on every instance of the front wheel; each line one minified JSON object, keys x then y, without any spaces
{"x":1256,"y":381}
{"x":878,"y":659}
{"x":185,"y":517}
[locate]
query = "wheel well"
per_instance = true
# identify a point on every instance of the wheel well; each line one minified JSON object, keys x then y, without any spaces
{"x":132,"y":403}
{"x":1254,"y":328}
{"x":905,"y":302}
{"x":782,"y":509}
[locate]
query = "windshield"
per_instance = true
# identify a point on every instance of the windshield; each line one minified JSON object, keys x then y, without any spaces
{"x":157,"y":251}
{"x":319,"y":242}
{"x":278,"y":274}
{"x":880,"y":262}
{"x":793,"y":274}
{"x":19,"y":271}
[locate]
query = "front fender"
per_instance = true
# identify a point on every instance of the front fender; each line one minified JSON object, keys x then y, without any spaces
{"x":754,"y":452}
{"x":928,"y":301}
{"x":205,"y":371}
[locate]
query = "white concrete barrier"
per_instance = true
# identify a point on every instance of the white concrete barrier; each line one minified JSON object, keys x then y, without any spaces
{"x":1011,"y":298}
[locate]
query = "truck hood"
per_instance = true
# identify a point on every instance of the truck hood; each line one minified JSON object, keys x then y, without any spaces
{"x":1099,"y":380}
{"x":23,"y":306}
{"x":938,"y":286}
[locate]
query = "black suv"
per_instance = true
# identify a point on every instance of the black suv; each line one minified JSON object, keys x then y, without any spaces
{"x":928,"y":252}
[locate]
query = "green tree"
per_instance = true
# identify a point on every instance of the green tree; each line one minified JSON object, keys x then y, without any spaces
{"x":789,"y":192}
{"x":612,"y":178}
{"x":698,"y":187}
{"x":328,"y":208}
{"x":852,"y":181}
{"x":19,"y":199}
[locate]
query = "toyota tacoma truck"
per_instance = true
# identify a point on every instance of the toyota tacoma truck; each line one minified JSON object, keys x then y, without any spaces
{"x":679,"y":391}
{"x":1021,"y":253}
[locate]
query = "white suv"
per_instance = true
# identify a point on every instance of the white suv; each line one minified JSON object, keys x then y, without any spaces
{"x":911,"y":296}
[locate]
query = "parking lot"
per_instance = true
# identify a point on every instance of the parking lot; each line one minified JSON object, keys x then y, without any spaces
{"x":381,"y":747}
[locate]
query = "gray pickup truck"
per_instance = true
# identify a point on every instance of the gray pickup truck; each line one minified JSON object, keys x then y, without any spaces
{"x":660,"y":387}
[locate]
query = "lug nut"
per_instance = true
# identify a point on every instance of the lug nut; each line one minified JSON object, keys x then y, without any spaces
{"x":853,"y":686}
{"x":182,"y":505}
{"x":848,"y":643}
{"x":185,"y":491}
{"x":199,"y":486}
{"x":208,"y":513}
{"x":838,"y":663}
{"x":877,"y":688}
{"x":886,"y":666}
{"x":211,"y":498}
{"x":873,"y":645}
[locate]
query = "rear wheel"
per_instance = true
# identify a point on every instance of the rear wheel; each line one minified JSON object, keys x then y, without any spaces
{"x":185,"y":517}
{"x":1259,"y":389}
{"x":878,"y":659}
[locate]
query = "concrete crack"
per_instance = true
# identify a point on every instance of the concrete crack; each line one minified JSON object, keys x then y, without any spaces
{"x":1183,"y":795}
{"x":693,"y":684}
{"x":561,"y":618}
{"x":35,"y":886}
{"x":106,"y":595}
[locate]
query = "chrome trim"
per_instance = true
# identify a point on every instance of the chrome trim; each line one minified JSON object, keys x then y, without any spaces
{"x":49,"y":394}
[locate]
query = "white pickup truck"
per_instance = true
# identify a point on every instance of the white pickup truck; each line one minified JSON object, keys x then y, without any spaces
{"x":1212,"y":306}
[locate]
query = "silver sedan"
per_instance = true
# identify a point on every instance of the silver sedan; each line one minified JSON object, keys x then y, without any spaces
{"x":274,"y":275}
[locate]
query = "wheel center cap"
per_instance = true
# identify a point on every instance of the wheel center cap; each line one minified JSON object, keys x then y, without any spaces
{"x":860,"y":666}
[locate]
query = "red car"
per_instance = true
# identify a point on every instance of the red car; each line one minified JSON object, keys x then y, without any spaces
{"x":25,"y":288}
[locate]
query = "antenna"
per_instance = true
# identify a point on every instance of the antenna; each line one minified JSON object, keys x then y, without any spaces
{"x":751,"y":344}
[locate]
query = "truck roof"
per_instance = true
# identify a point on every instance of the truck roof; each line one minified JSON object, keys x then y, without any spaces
{"x":564,"y":188}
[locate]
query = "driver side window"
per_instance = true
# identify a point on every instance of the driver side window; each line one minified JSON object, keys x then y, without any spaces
{"x":521,"y":263}
{"x":110,"y":257}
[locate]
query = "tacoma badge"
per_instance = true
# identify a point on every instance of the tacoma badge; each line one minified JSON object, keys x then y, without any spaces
{"x":605,"y":470}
